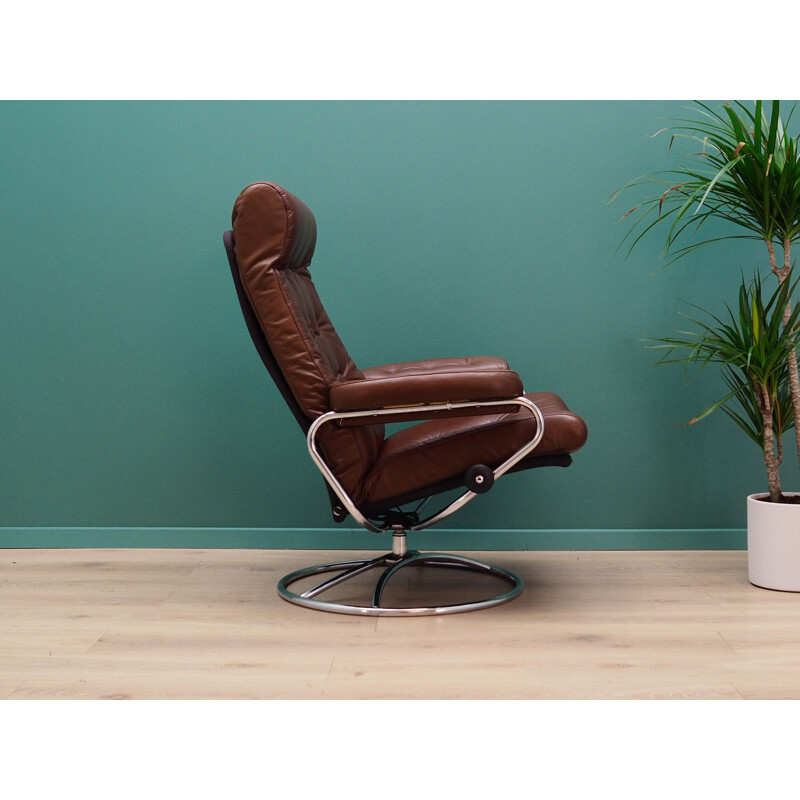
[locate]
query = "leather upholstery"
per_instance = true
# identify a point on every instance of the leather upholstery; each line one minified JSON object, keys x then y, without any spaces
{"x":431,"y":452}
{"x":439,"y":380}
{"x":275,"y":237}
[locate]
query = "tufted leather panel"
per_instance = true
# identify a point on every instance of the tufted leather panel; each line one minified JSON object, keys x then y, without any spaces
{"x":275,"y":236}
{"x":438,"y":380}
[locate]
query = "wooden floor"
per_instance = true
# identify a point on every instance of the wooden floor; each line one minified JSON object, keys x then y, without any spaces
{"x":209,"y":624}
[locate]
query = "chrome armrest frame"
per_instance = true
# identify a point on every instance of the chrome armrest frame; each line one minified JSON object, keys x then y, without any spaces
{"x":459,"y":502}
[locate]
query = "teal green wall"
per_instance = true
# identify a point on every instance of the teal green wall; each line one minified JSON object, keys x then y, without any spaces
{"x":135,"y":408}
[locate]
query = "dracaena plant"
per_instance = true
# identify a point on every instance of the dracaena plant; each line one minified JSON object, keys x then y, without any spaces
{"x":744,"y":171}
{"x":751,"y":345}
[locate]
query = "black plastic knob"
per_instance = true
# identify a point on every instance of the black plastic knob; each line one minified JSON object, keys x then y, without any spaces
{"x":479,"y":478}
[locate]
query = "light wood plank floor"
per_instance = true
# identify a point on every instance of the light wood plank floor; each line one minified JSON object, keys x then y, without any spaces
{"x":199,"y":624}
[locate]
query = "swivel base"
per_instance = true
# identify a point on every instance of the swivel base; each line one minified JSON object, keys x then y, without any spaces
{"x":392,"y":563}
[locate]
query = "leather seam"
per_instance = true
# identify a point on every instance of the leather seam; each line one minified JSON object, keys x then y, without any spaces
{"x":291,"y":223}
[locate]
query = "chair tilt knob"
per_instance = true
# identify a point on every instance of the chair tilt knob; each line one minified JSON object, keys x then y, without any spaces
{"x":479,"y":478}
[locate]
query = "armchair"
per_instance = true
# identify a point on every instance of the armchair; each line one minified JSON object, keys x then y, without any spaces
{"x":474,"y":422}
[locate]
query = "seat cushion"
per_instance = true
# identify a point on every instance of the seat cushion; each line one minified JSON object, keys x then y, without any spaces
{"x":435,"y":451}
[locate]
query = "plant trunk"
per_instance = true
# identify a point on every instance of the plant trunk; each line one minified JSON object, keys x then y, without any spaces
{"x":765,"y":406}
{"x":794,"y":373}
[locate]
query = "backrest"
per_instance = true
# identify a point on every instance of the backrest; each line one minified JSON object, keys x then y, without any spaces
{"x":274,"y":236}
{"x":257,"y":335}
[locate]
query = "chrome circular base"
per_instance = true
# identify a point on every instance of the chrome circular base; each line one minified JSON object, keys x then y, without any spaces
{"x":392,"y":563}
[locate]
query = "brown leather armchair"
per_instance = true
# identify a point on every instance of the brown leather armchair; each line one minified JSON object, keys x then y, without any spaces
{"x":474,"y":420}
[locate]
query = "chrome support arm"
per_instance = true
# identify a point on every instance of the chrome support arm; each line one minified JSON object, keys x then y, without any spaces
{"x":333,"y":416}
{"x":355,"y":568}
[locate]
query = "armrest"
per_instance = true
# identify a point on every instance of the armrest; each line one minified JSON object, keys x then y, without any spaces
{"x":438,"y":380}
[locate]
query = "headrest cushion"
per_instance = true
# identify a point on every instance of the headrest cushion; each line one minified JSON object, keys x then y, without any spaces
{"x":271,"y":227}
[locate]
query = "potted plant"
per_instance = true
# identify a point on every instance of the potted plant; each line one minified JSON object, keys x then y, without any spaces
{"x":746,"y":172}
{"x":752,"y":345}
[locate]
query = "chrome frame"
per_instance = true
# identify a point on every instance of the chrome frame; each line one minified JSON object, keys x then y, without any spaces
{"x":459,"y":502}
{"x":400,"y":555}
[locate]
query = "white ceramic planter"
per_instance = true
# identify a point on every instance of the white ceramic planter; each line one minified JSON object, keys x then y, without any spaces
{"x":773,"y":544}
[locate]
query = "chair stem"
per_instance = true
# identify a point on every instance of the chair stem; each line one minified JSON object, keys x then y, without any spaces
{"x":399,"y":541}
